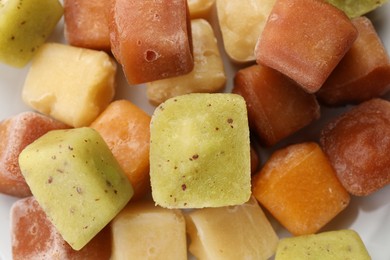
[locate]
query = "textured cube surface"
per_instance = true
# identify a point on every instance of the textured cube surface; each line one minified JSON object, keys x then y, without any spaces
{"x":200,"y":152}
{"x":86,"y":23}
{"x":300,"y":189}
{"x":24,"y":27}
{"x":321,"y":36}
{"x":242,"y":23}
{"x":16,"y":133}
{"x":238,"y":232}
{"x":357,"y":8}
{"x":69,"y":83}
{"x":364,"y":71}
{"x":77,"y":182}
{"x":155,"y":47}
{"x":145,"y":231}
{"x":357,"y":144}
{"x":208,"y":75}
{"x":35,"y":237}
{"x":125,"y":128}
{"x":277,"y":107}
{"x":341,"y":244}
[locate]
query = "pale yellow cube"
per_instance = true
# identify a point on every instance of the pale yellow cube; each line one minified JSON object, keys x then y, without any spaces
{"x":241,"y":23}
{"x":207,"y":76}
{"x":239,"y":232}
{"x":70,"y":84}
{"x":200,"y":8}
{"x":145,"y":231}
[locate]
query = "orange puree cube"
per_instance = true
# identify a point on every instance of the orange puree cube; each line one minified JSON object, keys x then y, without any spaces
{"x":35,"y":237}
{"x":151,"y":39}
{"x":86,"y":23}
{"x":277,"y":107}
{"x":363,"y":73}
{"x":305,"y":40}
{"x":125,"y":128}
{"x":15,"y":134}
{"x":300,"y":189}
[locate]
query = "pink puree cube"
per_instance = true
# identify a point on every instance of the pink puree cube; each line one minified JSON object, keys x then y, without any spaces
{"x":15,"y":134}
{"x":357,"y":144}
{"x":152,"y":40}
{"x":86,"y":23}
{"x":34,"y":236}
{"x":277,"y":107}
{"x":305,"y":40}
{"x":363,"y":73}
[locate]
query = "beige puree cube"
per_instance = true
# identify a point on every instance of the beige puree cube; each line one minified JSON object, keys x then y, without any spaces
{"x":70,"y":84}
{"x":145,"y":231}
{"x":239,"y":232}
{"x":241,"y":23}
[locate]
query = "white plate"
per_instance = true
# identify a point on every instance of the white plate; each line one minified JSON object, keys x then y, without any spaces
{"x":369,"y":216}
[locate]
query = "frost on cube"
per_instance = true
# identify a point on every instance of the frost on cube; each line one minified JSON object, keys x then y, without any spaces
{"x":33,"y":236}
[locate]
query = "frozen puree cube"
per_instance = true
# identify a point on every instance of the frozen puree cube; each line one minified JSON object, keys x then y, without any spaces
{"x":125,"y":128}
{"x":234,"y":232}
{"x":356,"y":8}
{"x":255,"y":159}
{"x":76,"y":180}
{"x":358,"y":144}
{"x":33,"y":236}
{"x":200,"y":8}
{"x":300,"y":189}
{"x":363,"y":73}
{"x":200,"y":152}
{"x":207,"y":76}
{"x":341,"y":244}
{"x":86,"y":23}
{"x":308,"y":53}
{"x":241,"y":23}
{"x":24,"y":27}
{"x":145,"y":231}
{"x":277,"y":107}
{"x":71,"y":84}
{"x":151,"y":39}
{"x":16,"y":133}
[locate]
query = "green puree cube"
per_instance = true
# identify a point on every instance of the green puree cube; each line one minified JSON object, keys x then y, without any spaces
{"x":341,"y":244}
{"x":24,"y":27}
{"x":356,"y":8}
{"x":199,"y":151}
{"x":77,"y":181}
